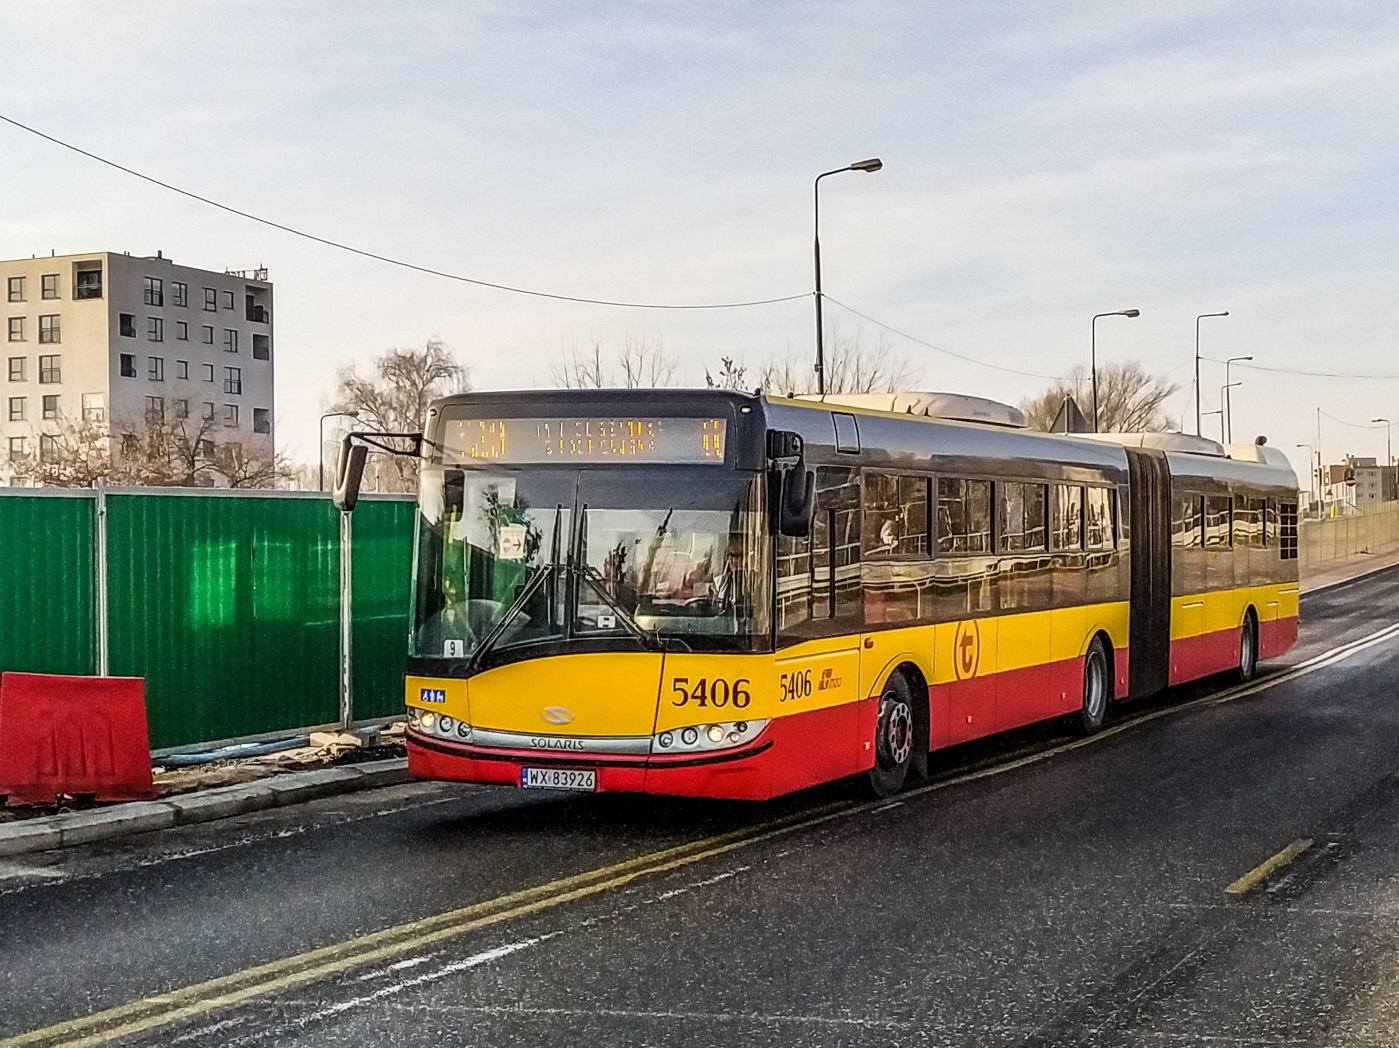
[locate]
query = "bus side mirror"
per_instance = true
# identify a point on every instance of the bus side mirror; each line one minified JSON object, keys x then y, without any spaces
{"x":795,"y":501}
{"x":349,"y":469}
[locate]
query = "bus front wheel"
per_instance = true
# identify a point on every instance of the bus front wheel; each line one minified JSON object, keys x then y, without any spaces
{"x":1096,"y":685}
{"x":893,"y":739}
{"x":1248,"y":649}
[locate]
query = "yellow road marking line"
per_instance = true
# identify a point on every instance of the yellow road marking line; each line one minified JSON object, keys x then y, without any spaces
{"x":1255,"y":876}
{"x":259,"y":981}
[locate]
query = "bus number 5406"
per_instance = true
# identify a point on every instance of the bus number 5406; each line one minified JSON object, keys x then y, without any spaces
{"x":795,"y":685}
{"x":706,"y":692}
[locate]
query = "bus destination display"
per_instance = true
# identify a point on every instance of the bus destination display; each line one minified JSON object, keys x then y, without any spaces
{"x":525,"y":441}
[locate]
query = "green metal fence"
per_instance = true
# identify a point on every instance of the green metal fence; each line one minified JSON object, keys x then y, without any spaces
{"x":227,"y":603}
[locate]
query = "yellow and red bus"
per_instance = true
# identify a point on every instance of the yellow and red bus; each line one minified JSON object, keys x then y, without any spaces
{"x":710,"y":593}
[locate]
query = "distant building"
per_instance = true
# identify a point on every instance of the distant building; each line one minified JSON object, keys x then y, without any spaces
{"x":121,"y":340}
{"x":1373,"y":484}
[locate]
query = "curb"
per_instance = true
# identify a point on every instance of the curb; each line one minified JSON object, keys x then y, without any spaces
{"x":84,"y":827}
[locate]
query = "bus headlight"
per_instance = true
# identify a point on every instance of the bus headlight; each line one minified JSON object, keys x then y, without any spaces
{"x":429,"y":721}
{"x":710,"y":737}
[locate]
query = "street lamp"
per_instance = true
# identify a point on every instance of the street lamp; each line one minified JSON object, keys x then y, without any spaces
{"x":1228,"y":402}
{"x":1223,"y":313}
{"x":1220,"y":413}
{"x":1388,"y":455}
{"x":1094,"y":339}
{"x":1311,"y":474}
{"x":320,"y":448}
{"x":1224,"y":412}
{"x":870,"y":166}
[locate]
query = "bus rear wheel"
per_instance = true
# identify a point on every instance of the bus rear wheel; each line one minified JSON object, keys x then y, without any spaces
{"x":1095,"y":689}
{"x":1248,"y":649}
{"x":893,"y":739}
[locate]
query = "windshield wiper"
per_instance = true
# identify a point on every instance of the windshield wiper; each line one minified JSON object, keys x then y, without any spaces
{"x":650,"y":638}
{"x":531,"y":588}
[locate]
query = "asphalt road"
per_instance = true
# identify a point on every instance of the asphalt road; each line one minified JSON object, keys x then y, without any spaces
{"x":1037,"y":892}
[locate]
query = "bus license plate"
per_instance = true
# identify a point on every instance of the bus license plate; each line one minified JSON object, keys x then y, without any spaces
{"x":558,"y":779}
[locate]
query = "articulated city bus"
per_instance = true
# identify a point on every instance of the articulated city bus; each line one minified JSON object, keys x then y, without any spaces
{"x":716,"y":594}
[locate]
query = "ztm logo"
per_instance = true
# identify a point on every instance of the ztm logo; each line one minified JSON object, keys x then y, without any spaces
{"x":828,"y":680}
{"x":966,"y":649}
{"x":432,"y":695}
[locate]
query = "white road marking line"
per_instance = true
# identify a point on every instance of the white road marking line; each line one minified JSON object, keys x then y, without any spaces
{"x":204,"y":1031}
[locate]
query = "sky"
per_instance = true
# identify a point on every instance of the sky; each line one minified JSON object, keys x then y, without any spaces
{"x":1043,"y":162}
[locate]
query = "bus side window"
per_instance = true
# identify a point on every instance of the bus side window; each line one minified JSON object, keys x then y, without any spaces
{"x":895,"y":516}
{"x":1066,"y":526}
{"x":1019,"y":517}
{"x":1187,"y":524}
{"x":1287,"y":530}
{"x":1270,"y":529}
{"x":1218,"y":512}
{"x":836,"y":587}
{"x":1098,"y":517}
{"x":964,"y":516}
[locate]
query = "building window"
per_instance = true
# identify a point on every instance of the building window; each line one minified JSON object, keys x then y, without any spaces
{"x":94,"y":407}
{"x":14,"y":289}
{"x":211,"y":300}
{"x":128,"y":365}
{"x":206,"y":447}
{"x":17,"y":409}
{"x":127,"y":323}
{"x":88,"y":284}
{"x":228,"y":300}
{"x":262,"y":420}
{"x":17,"y":368}
{"x":257,"y":312}
{"x":208,"y":372}
{"x":182,"y":409}
{"x":16,"y":329}
{"x":208,"y":335}
{"x":179,"y":293}
{"x":181,"y":331}
{"x":17,"y":449}
{"x":182,"y":369}
{"x":153,"y":291}
{"x":233,"y":380}
{"x":156,"y":371}
{"x":208,"y":412}
{"x":50,"y":405}
{"x":48,"y":330}
{"x":48,"y":448}
{"x":49,"y":370}
{"x":262,"y":347}
{"x":155,"y":329}
{"x":230,"y":341}
{"x":155,"y":409}
{"x":230,"y":416}
{"x":48,"y":285}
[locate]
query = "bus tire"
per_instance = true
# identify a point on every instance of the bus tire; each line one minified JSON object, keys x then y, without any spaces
{"x":1097,"y":690}
{"x":893,"y":738}
{"x":1248,"y":649}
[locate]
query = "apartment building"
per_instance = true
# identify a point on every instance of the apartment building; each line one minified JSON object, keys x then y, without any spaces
{"x":1370,"y":484}
{"x":124,"y":340}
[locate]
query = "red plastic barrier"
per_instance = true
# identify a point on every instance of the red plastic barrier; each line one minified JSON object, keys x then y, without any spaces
{"x":74,"y":735}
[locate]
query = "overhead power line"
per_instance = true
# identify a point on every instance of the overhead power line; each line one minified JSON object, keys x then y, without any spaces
{"x":939,"y":349}
{"x":1353,"y":425}
{"x":1297,"y":371}
{"x":397,"y":261}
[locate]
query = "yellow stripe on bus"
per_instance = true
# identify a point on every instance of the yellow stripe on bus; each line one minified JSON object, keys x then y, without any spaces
{"x":1195,"y":614}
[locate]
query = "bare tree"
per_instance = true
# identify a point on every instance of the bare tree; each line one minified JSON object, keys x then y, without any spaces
{"x":852,"y":366}
{"x":641,"y":363}
{"x":729,"y":376}
{"x":392,"y":396}
{"x":76,"y":456}
{"x":1129,"y":399}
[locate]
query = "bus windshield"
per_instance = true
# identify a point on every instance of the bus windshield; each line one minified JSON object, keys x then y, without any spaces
{"x":529,"y":556}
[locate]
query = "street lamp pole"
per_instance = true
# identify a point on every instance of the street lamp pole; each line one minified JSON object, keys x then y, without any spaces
{"x":1388,"y":455}
{"x":1228,"y":401}
{"x":1311,"y":474}
{"x":1224,"y":412}
{"x":1094,"y":341}
{"x":1220,"y":413}
{"x":320,"y":448}
{"x":871,"y":165}
{"x":1222,"y":313}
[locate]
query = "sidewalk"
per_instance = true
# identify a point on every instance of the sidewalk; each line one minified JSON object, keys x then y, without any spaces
{"x":1340,"y":571}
